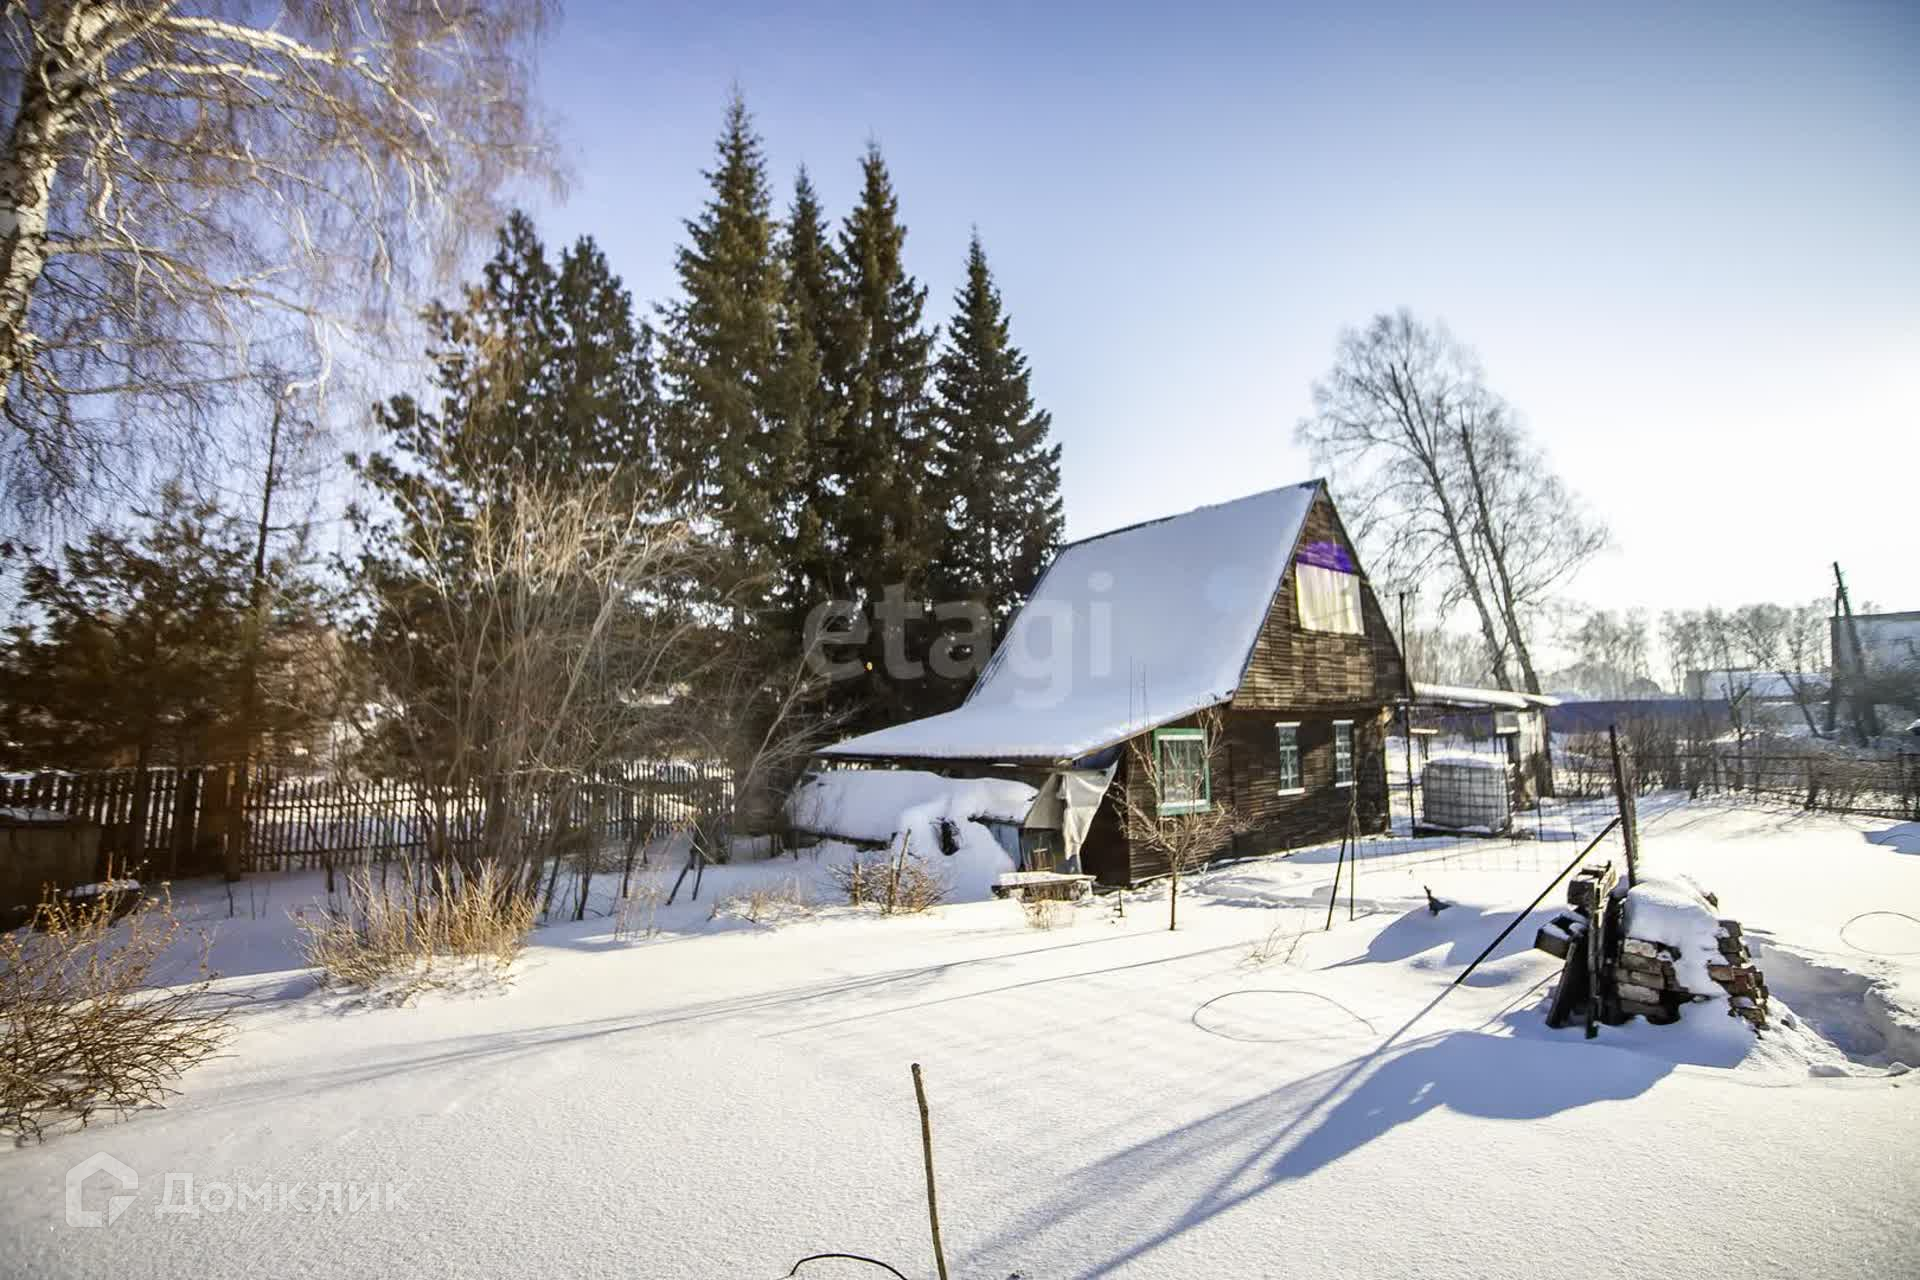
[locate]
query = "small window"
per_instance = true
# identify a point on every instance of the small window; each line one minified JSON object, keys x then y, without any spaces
{"x":1180,"y":760}
{"x":1329,"y":599}
{"x":1343,"y":753}
{"x":1287,"y":741}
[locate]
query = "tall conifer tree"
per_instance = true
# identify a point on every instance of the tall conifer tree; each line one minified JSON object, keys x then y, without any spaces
{"x":891,"y":534}
{"x":891,"y":528}
{"x":816,"y":337}
{"x":725,"y":445}
{"x":1001,"y":472}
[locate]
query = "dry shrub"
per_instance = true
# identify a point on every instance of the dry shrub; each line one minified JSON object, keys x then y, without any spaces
{"x":636,"y":913}
{"x":81,"y":1032}
{"x":768,"y":903}
{"x":896,"y":883}
{"x":1280,"y":944}
{"x":1046,"y":913}
{"x":461,"y":930}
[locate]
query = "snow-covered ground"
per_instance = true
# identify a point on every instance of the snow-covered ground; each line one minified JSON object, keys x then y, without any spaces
{"x":1250,"y":1096}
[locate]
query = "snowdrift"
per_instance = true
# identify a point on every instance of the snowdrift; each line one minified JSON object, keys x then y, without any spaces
{"x":888,"y":806}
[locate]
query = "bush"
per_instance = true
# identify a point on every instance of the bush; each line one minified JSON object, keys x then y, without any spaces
{"x":768,"y":903}
{"x":459,"y":929}
{"x":901,"y":882}
{"x":1046,"y":913}
{"x":81,"y":1032}
{"x":635,"y":911}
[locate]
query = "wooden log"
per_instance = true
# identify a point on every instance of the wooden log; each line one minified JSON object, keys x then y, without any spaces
{"x":1573,"y":983}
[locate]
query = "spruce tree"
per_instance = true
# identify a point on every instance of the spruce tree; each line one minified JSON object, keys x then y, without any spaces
{"x":891,"y":529}
{"x":816,"y":337}
{"x":893,"y":505}
{"x":604,"y":401}
{"x":725,"y":444}
{"x":542,"y":373}
{"x":992,"y":447}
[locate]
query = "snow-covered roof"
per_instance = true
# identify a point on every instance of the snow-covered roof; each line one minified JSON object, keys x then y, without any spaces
{"x":1463,"y":696}
{"x":1125,"y":631}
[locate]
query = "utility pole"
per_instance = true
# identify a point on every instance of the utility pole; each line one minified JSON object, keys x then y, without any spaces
{"x":1406,"y":717}
{"x":1866,"y":723}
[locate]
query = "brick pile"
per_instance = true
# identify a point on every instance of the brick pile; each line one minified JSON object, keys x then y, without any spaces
{"x":1644,"y":980}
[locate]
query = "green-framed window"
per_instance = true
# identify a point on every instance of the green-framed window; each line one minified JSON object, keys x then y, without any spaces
{"x":1180,"y":764}
{"x":1343,"y":753}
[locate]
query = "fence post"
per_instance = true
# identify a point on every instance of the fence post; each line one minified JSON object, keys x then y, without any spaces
{"x":1629,"y":824}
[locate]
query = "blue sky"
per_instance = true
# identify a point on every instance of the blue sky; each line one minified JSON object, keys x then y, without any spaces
{"x":1685,"y":239}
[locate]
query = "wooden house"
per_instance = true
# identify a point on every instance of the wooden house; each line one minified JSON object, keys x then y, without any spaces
{"x":1256,"y":610}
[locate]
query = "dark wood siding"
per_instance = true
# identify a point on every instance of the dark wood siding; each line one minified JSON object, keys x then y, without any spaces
{"x":1293,"y":668}
{"x":1246,"y":776}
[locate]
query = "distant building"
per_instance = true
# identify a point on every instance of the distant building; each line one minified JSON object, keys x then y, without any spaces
{"x":1733,"y":684}
{"x":1888,"y":641}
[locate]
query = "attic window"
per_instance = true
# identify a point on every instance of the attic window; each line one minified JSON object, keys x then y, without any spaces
{"x":1180,"y":767}
{"x":1329,"y":599}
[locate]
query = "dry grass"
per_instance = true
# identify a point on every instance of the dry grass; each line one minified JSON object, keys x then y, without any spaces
{"x":463,"y":929}
{"x":1046,"y":913}
{"x":1279,"y":946}
{"x":637,"y":911}
{"x":897,"y":883}
{"x":783,"y":900}
{"x":81,"y":1032}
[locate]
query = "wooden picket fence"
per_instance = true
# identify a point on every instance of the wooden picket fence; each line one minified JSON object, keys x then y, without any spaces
{"x":295,"y":821}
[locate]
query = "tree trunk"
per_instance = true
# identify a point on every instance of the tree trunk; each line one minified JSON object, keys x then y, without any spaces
{"x":1420,"y":431}
{"x":250,"y":669}
{"x":72,"y":41}
{"x":1497,"y":556}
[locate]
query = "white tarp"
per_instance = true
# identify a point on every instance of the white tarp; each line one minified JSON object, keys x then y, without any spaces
{"x":1082,"y":791}
{"x":1067,"y":802}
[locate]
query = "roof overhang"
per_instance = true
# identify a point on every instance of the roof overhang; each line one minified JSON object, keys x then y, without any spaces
{"x":1448,"y":695}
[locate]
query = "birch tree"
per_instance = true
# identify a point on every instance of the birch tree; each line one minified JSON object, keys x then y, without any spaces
{"x":1386,"y":415}
{"x":186,"y":182}
{"x":1446,"y":483}
{"x":1530,"y":533}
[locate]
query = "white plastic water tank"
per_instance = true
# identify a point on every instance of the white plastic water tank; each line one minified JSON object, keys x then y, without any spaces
{"x":1466,"y":793}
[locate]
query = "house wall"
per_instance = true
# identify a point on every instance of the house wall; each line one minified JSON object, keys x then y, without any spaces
{"x":1245,"y":775}
{"x":1293,"y":669}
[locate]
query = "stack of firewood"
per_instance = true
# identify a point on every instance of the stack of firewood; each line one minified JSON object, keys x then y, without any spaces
{"x":1746,"y":986}
{"x":1644,"y":979}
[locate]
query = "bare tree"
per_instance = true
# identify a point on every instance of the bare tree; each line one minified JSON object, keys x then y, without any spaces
{"x":1446,"y":483}
{"x":1790,"y":642}
{"x":185,"y":183}
{"x":1166,"y":805}
{"x":1387,"y":413}
{"x":1439,"y":656}
{"x":518,"y":646}
{"x":1611,"y":647}
{"x":1530,"y":533}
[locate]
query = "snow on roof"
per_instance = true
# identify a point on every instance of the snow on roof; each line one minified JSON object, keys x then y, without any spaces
{"x":1424,"y":692}
{"x":1125,"y":631}
{"x":872,"y":804}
